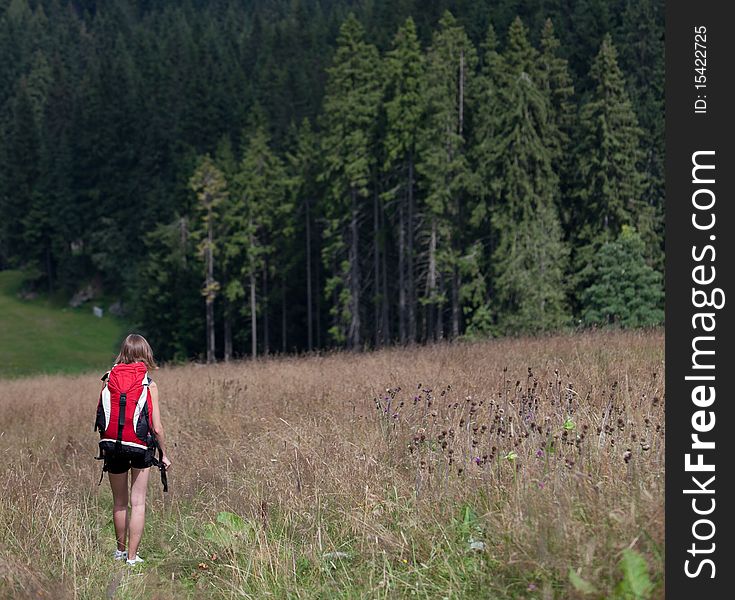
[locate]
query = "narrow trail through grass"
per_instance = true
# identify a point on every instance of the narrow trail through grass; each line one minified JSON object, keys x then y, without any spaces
{"x":44,"y":336}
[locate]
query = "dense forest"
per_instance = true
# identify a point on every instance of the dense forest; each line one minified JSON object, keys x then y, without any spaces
{"x":284,"y":175}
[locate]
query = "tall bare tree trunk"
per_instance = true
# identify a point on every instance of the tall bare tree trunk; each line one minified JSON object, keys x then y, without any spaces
{"x":283,"y":317}
{"x":228,"y":332}
{"x":266,"y":331}
{"x":354,"y":260}
{"x":401,"y":275}
{"x":253,"y":317}
{"x":409,"y":258}
{"x":385,"y":300}
{"x":253,"y":305}
{"x":309,"y":301}
{"x":440,"y":310}
{"x":431,"y":280}
{"x":318,"y":303}
{"x":210,"y":293}
{"x":455,"y":302}
{"x":376,"y":273}
{"x":455,"y":272}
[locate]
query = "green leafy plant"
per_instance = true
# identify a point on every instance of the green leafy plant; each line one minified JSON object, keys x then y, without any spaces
{"x":636,"y":583}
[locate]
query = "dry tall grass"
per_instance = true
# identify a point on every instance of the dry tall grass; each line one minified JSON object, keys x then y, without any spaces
{"x":453,"y":471}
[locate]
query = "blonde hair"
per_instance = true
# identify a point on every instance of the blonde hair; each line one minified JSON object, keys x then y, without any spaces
{"x":135,"y":348}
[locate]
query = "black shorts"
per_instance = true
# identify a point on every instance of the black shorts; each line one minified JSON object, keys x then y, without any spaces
{"x":117,"y":464}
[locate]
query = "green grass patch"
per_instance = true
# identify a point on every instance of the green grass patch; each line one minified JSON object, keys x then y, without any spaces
{"x":44,"y":336}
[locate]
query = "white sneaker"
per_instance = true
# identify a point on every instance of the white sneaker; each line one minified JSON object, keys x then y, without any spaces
{"x":134,"y":561}
{"x":121,"y":555}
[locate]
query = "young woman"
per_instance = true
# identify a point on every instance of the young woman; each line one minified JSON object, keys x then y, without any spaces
{"x":129,"y":522}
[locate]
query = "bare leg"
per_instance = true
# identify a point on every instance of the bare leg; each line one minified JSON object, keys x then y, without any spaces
{"x":119,"y":485}
{"x":138,"y":488}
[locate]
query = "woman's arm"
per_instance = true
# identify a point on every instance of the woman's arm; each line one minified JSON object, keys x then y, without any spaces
{"x":157,"y":425}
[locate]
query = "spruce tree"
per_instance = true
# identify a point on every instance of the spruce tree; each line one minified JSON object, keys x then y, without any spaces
{"x":609,"y":182}
{"x":350,"y":111}
{"x":229,"y":276}
{"x":487,"y":104}
{"x":168,"y":299}
{"x":556,"y":82}
{"x":530,"y":259}
{"x":210,"y":187}
{"x":303,"y":166}
{"x":642,"y":60}
{"x":20,"y":178}
{"x":255,"y":221}
{"x":625,"y":290}
{"x":405,"y":110}
{"x":445,"y":170}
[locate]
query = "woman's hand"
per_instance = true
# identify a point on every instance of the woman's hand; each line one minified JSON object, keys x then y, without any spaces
{"x":166,"y":462}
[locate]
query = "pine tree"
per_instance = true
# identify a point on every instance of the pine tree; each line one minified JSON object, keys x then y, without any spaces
{"x":487,"y":104}
{"x":642,"y":60}
{"x":168,"y":305}
{"x":530,"y":259}
{"x":20,"y":177}
{"x":610,"y":186}
{"x":405,"y":109}
{"x":445,"y":169}
{"x":227,"y":163}
{"x":624,"y":291}
{"x":556,"y":82}
{"x":350,"y":111}
{"x":303,"y":166}
{"x":210,"y":187}
{"x":254,"y":221}
{"x":56,"y":185}
{"x":590,"y":21}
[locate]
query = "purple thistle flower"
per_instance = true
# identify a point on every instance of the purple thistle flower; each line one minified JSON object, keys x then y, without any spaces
{"x":477,"y":460}
{"x":539,"y":453}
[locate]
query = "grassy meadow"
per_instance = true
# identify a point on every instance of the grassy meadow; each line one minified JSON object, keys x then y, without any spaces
{"x":46,"y":335}
{"x":516,"y":468}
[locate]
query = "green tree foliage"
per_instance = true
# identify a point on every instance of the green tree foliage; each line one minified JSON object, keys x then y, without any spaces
{"x":556,"y":82}
{"x":625,"y":290}
{"x":405,"y":109}
{"x":641,"y":44}
{"x":530,"y":258}
{"x":256,"y":219}
{"x":608,"y":156}
{"x":445,"y":169}
{"x":302,"y":168}
{"x":428,"y":198}
{"x":486,"y":103}
{"x":167,"y":296}
{"x":210,"y":187}
{"x":20,"y":176}
{"x":350,"y":111}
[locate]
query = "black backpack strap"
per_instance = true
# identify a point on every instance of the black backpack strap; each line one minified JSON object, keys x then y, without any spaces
{"x":121,"y":420}
{"x":104,"y":467}
{"x":158,"y":462}
{"x":162,"y":468}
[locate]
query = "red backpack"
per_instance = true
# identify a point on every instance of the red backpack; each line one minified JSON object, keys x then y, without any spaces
{"x":125,"y":415}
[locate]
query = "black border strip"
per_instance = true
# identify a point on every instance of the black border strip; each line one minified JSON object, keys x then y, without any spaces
{"x":687,"y":250}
